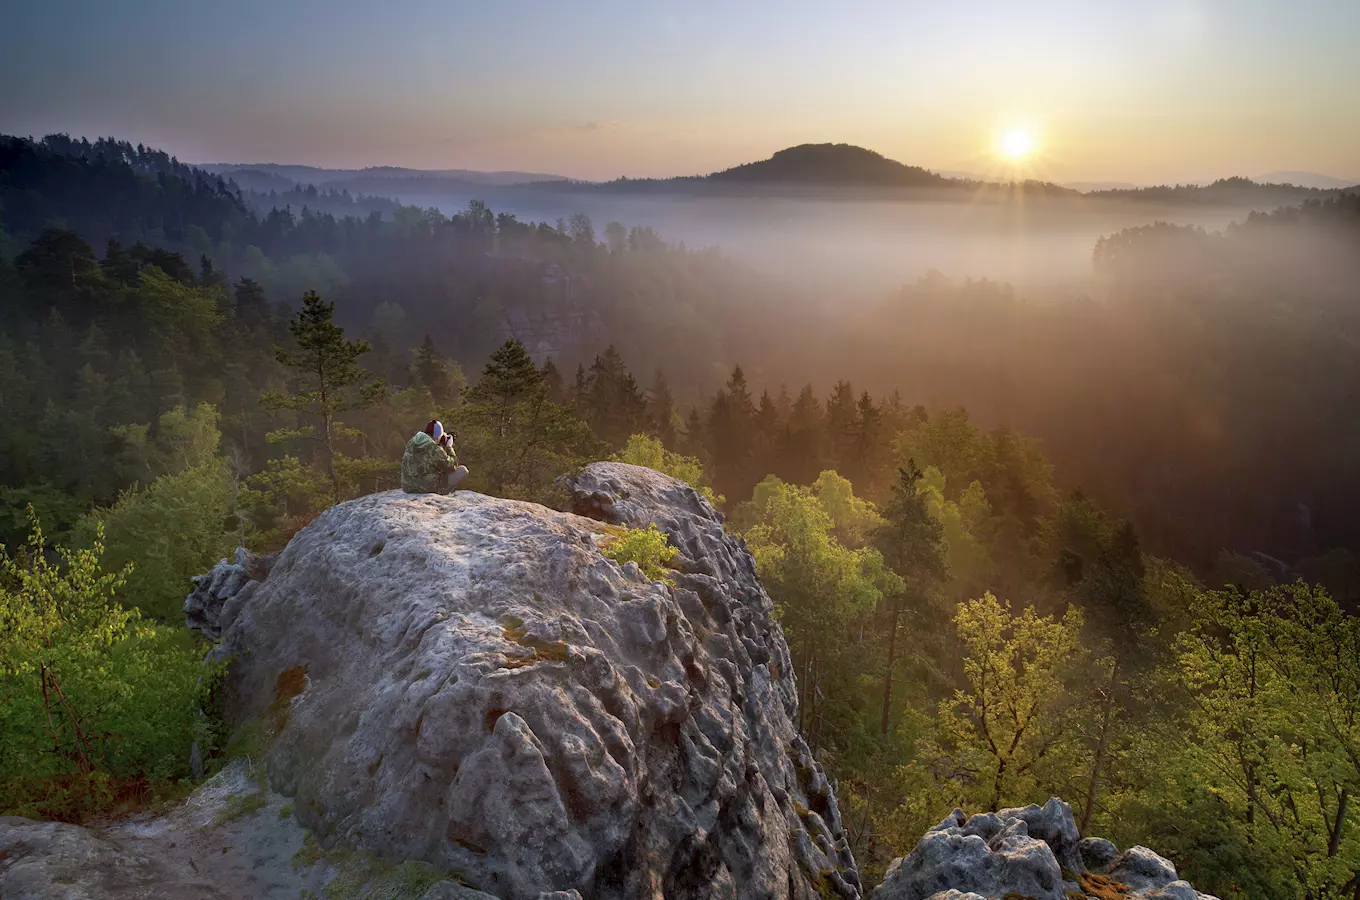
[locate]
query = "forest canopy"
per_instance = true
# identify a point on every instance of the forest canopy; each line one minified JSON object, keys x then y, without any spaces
{"x":1019,"y":546}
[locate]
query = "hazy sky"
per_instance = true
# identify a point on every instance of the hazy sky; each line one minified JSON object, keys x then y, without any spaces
{"x":1131,"y":90}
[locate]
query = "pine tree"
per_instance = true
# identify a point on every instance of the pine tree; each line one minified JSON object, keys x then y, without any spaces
{"x":912,"y":544}
{"x":614,"y":406}
{"x":580,"y":389}
{"x":252,"y":307}
{"x":520,"y":439}
{"x":554,"y":382}
{"x":118,"y":265}
{"x":867,"y":448}
{"x":802,"y":455}
{"x":329,"y":378}
{"x":692,"y":441}
{"x":765,"y":434}
{"x":661,"y":408}
{"x":437,"y":374}
{"x":841,"y":423}
{"x":731,"y":416}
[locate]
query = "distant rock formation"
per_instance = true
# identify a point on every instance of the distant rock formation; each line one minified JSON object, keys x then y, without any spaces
{"x":1034,"y":852}
{"x":470,"y":682}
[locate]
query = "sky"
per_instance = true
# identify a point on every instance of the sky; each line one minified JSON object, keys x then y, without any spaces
{"x":1141,"y":91}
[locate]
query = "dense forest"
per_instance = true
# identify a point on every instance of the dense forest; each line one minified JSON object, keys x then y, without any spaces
{"x":1101,"y":548}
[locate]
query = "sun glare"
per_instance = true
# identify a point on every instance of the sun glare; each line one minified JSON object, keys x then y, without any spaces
{"x":1016,"y":144}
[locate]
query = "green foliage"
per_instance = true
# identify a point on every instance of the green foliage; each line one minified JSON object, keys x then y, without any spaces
{"x":645,"y":450}
{"x":822,"y":590}
{"x":1265,"y":762}
{"x":648,"y":547}
{"x":1004,"y":734}
{"x":184,"y":437}
{"x":281,"y":499}
{"x":516,"y":439}
{"x":96,"y":705}
{"x":194,"y":506}
{"x":176,"y":308}
{"x":329,"y":379}
{"x":18,"y":505}
{"x":964,"y":526}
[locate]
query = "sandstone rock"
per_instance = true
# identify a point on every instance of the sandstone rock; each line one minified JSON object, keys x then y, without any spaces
{"x":1140,"y":868}
{"x":230,"y":840}
{"x":213,"y":590}
{"x":1025,"y":852}
{"x":449,"y":890}
{"x":1097,"y":854}
{"x":227,"y":842}
{"x":1053,"y":824}
{"x":470,"y":682}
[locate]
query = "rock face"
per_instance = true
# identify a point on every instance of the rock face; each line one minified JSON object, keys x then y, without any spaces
{"x":1033,"y":852}
{"x":471,"y":682}
{"x":204,"y":606}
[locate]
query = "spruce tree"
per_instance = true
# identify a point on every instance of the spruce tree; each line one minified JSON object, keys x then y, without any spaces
{"x":661,"y":408}
{"x":329,"y":380}
{"x":912,"y":543}
{"x":437,"y":374}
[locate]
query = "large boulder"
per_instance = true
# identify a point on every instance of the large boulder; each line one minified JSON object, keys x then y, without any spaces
{"x":471,"y":682}
{"x":1034,"y":852}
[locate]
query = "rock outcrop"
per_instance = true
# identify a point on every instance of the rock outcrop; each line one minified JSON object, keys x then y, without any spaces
{"x":224,"y":583}
{"x":1033,"y":852}
{"x":472,"y":683}
{"x":231,"y":840}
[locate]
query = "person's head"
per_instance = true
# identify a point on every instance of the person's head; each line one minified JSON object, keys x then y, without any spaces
{"x":435,"y":429}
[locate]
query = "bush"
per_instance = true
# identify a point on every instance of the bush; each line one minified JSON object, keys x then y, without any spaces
{"x":175,"y":528}
{"x":97,"y":706}
{"x":645,"y":450}
{"x":648,"y":547}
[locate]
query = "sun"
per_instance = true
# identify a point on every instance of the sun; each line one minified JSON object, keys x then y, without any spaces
{"x":1016,"y":144}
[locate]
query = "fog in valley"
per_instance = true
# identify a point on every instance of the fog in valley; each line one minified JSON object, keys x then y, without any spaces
{"x":383,"y":515}
{"x":845,"y":249}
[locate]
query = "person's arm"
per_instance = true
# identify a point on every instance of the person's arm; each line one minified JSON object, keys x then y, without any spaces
{"x":450,"y":455}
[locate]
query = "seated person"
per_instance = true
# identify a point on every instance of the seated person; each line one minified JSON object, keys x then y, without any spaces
{"x":430,"y":465}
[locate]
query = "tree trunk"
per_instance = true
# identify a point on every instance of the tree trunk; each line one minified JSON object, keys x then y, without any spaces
{"x":888,"y":673}
{"x":1334,"y":842}
{"x":996,"y":785}
{"x":1101,"y":748}
{"x":328,"y":443}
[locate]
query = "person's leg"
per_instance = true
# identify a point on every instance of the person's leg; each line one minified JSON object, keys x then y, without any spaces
{"x":456,"y":477}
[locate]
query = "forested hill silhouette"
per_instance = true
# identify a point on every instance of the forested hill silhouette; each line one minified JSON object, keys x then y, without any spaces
{"x":832,"y":164}
{"x":824,"y":169}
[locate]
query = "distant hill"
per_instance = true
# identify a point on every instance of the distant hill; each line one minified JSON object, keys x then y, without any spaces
{"x":362,"y":179}
{"x":1235,"y":190}
{"x":825,"y":169}
{"x":839,"y":164}
{"x":1307,"y":179}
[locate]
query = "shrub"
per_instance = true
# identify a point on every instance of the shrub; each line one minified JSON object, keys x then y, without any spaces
{"x":193,"y":507}
{"x":648,"y":547}
{"x":97,"y":705}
